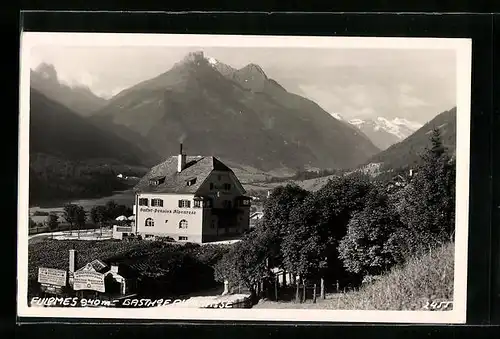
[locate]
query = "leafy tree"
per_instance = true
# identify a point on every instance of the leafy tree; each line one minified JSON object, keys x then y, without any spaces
{"x":302,"y":245}
{"x":309,"y":248}
{"x":32,"y":223}
{"x":98,"y":215}
{"x":112,"y":210}
{"x":74,"y":215}
{"x":428,"y":204}
{"x":52,"y":221}
{"x":70,"y":215}
{"x":275,"y":222}
{"x":245,"y":264}
{"x":367,"y":247}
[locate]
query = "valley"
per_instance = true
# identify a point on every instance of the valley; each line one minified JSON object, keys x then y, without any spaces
{"x":248,"y":120}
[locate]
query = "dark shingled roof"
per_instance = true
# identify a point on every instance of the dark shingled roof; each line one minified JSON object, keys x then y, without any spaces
{"x":196,"y":167}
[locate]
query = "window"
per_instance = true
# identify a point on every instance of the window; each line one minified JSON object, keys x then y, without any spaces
{"x":184,"y":203}
{"x":183,"y":223}
{"x":143,"y":202}
{"x":191,"y":182}
{"x":183,"y":238}
{"x":245,"y":202}
{"x":226,"y":204}
{"x":211,"y":186}
{"x":213,"y":223}
{"x":227,"y":187}
{"x":166,"y":221}
{"x":219,"y":177}
{"x":197,"y":203}
{"x":149,"y":222}
{"x":156,"y":181}
{"x":157,"y":202}
{"x":207,"y":203}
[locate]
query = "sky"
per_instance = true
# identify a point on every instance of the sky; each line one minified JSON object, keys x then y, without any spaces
{"x":355,"y":83}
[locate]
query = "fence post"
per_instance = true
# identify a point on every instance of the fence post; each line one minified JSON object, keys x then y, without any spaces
{"x":304,"y":291}
{"x":297,"y":291}
{"x":322,"y":287}
{"x":276,"y":287}
{"x":314,"y":294}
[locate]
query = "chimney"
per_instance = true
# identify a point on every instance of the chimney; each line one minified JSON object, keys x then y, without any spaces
{"x":181,"y":160}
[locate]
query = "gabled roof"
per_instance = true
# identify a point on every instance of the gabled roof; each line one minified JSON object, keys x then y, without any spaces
{"x":96,"y":265}
{"x":197,"y":169}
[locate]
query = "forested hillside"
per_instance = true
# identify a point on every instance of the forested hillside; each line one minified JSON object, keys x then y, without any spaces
{"x":71,"y":158}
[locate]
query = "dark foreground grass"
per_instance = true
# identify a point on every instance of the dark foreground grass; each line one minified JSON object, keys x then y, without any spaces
{"x":410,"y":287}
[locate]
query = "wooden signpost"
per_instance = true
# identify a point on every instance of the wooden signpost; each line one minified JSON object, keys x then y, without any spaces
{"x":87,"y":278}
{"x":52,"y":280}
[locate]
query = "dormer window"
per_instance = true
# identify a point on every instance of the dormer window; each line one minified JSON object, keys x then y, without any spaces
{"x":191,"y":182}
{"x":155,"y":181}
{"x":227,"y":187}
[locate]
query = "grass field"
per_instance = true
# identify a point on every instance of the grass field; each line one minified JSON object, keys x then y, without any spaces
{"x":409,"y":288}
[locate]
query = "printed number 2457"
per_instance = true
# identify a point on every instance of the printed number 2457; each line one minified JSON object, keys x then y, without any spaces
{"x":435,"y":305}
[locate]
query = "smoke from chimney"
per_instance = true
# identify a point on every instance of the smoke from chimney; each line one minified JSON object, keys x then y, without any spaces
{"x":182,"y":138}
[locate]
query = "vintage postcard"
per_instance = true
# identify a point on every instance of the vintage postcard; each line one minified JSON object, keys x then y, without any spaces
{"x":262,"y":178}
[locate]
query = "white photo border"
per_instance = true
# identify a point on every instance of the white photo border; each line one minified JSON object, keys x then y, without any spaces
{"x":463,"y":48}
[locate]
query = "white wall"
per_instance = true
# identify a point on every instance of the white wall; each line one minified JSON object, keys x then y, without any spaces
{"x":166,"y":219}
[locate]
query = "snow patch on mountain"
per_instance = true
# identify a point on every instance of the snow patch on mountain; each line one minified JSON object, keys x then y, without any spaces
{"x":356,"y":122}
{"x":212,"y":61}
{"x":337,"y":116}
{"x":400,"y":127}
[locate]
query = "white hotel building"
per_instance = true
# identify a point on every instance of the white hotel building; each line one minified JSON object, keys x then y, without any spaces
{"x":191,"y":199}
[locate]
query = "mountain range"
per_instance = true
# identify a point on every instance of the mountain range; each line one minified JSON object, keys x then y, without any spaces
{"x":242,"y":116}
{"x":407,"y":152}
{"x":381,"y":131}
{"x":60,"y":132}
{"x":78,"y":98}
{"x":70,"y":157}
{"x":239,"y":115}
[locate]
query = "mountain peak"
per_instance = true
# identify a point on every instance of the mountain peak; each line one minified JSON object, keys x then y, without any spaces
{"x":253,"y":69}
{"x":383,"y":131}
{"x":194,"y":56}
{"x":47,"y":71}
